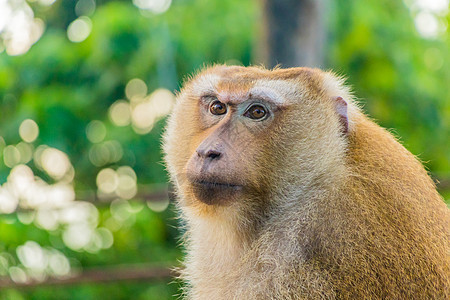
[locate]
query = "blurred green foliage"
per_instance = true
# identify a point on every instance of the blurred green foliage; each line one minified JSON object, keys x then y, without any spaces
{"x":401,"y":78}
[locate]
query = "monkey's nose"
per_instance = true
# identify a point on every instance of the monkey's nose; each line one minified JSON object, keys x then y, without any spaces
{"x":209,"y":154}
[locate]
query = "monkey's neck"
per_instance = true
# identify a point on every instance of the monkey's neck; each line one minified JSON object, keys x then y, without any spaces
{"x":216,"y":244}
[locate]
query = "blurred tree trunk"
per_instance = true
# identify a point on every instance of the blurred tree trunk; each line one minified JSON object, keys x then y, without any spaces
{"x":293,"y":33}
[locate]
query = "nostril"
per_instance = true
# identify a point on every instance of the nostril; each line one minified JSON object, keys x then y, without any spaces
{"x":213,"y":154}
{"x":209,"y":152}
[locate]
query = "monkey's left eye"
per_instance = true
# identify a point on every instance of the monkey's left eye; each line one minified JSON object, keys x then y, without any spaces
{"x":217,"y":108}
{"x":256,"y":112}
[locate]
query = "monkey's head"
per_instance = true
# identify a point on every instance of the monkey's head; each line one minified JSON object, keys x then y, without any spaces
{"x":239,"y":136}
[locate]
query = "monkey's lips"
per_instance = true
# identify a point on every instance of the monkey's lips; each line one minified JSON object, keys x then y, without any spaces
{"x":217,"y":185}
{"x":214,"y":192}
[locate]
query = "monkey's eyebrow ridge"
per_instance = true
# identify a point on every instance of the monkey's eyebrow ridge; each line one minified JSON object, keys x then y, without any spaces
{"x":267,"y":94}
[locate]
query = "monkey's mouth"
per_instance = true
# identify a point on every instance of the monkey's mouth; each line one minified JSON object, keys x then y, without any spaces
{"x":216,"y":185}
{"x":215,"y":192}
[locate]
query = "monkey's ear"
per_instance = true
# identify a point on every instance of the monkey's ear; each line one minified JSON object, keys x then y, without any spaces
{"x":341,"y":109}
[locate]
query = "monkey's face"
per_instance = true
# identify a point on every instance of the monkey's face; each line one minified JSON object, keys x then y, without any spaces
{"x":234,"y":130}
{"x":228,"y":153}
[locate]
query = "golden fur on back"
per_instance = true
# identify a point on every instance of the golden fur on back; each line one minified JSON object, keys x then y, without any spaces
{"x":330,"y":215}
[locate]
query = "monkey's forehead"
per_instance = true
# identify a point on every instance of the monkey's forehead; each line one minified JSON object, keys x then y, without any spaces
{"x":236,"y":82}
{"x":239,"y":75}
{"x":257,"y":72}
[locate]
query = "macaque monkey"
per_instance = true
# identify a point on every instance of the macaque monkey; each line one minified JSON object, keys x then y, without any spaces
{"x":288,"y":191}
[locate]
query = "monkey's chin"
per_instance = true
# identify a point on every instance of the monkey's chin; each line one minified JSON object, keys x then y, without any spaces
{"x":216,"y":193}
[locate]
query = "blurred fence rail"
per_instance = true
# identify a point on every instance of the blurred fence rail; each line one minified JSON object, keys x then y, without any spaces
{"x":148,"y":193}
{"x":134,"y":272}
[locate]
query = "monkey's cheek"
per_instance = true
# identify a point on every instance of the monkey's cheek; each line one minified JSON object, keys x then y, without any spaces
{"x":217,"y":195}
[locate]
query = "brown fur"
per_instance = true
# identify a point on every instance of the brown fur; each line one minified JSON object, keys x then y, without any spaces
{"x":323,"y":214}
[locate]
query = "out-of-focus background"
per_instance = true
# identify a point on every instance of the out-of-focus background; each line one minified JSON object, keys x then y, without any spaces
{"x":85,"y":86}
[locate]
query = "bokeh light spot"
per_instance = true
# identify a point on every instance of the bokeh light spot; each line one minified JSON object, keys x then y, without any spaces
{"x":11,"y":156}
{"x":143,"y":118}
{"x":47,"y":219}
{"x":85,"y":7}
{"x":106,"y":237}
{"x":20,"y":181}
{"x":107,"y":180}
{"x":26,"y":152}
{"x":158,"y":206}
{"x":427,"y":24}
{"x":135,"y":89}
{"x":55,"y":162}
{"x":121,"y":209}
{"x":96,"y":131}
{"x":79,"y":29}
{"x":26,"y":217}
{"x":46,"y":2}
{"x":58,"y":264}
{"x":77,"y":236}
{"x":28,"y":130}
{"x":18,"y":27}
{"x":127,"y":187}
{"x":8,"y":203}
{"x":79,"y":211}
{"x":155,"y":106}
{"x":18,"y":275}
{"x":162,"y":101}
{"x":32,"y":256}
{"x":436,"y":6}
{"x":106,"y":152}
{"x":120,"y":113}
{"x":155,"y":6}
{"x":60,"y":195}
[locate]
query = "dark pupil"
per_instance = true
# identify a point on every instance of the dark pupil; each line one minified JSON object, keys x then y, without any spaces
{"x":218,"y":108}
{"x":257,"y":112}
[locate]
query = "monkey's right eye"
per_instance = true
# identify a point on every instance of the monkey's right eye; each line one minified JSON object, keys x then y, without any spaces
{"x":217,"y":108}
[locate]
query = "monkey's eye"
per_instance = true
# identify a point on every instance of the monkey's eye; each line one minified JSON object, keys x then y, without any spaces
{"x":255,"y":112}
{"x":217,"y":108}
